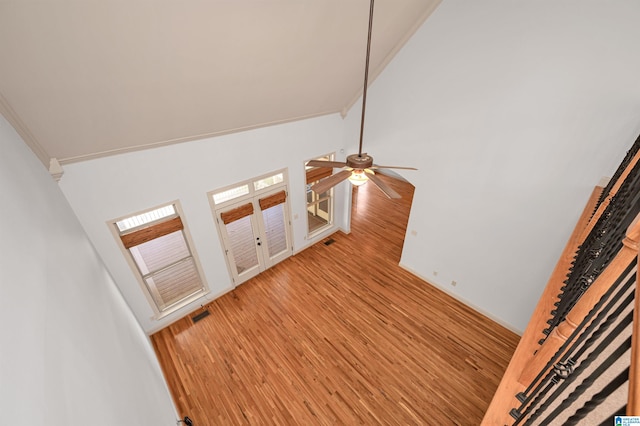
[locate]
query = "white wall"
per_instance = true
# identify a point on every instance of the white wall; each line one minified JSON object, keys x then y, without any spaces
{"x":513,"y":111}
{"x":72,"y":351}
{"x":104,"y":189}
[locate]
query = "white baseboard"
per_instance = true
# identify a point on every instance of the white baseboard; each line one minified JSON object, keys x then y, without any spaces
{"x":462,"y":300}
{"x":317,"y":238}
{"x":190,"y":308}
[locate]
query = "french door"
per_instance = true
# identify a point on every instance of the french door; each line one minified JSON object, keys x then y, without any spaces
{"x":255,"y":233}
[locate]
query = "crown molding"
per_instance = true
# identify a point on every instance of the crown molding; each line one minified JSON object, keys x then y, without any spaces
{"x":23,"y":131}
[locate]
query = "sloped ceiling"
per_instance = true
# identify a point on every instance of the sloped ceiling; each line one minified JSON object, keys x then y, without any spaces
{"x":86,"y":78}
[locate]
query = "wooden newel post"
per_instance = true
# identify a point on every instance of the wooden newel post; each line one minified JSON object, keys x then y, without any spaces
{"x":583,"y":306}
{"x":633,"y":404}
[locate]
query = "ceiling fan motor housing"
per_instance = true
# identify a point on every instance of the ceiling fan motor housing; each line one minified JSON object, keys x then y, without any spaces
{"x":359,"y":161}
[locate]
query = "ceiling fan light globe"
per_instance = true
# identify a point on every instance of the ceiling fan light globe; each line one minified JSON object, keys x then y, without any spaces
{"x":358,"y":178}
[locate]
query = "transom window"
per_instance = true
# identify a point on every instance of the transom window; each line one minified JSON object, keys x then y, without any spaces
{"x":230,"y":194}
{"x":268,"y":181}
{"x":249,"y":188}
{"x":146,"y":218}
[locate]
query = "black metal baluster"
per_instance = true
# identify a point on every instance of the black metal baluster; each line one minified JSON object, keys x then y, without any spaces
{"x":589,"y":338}
{"x":623,"y":165}
{"x":599,"y":248}
{"x":592,"y":257}
{"x":599,"y":312}
{"x":598,"y":398}
{"x":570,"y":378}
{"x":587,"y":382}
{"x":554,"y":379}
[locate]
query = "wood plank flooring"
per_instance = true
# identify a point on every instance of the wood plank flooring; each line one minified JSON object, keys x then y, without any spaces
{"x":338,"y":334}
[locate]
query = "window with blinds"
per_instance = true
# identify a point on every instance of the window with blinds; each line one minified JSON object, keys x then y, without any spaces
{"x":319,"y":206}
{"x":158,"y":247}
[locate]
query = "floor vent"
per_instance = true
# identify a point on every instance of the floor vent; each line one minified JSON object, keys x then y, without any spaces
{"x":201,"y":315}
{"x":329,"y":242}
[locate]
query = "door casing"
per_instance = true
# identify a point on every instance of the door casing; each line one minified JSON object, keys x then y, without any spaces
{"x":259,"y":232}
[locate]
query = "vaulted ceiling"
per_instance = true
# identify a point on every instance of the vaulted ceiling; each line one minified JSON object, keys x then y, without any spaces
{"x":81,"y":79}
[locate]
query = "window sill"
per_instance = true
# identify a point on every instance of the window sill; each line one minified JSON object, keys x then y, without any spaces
{"x":173,"y":309}
{"x":321,"y":232}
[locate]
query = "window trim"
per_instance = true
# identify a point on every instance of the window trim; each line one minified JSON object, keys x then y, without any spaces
{"x":252,"y":191}
{"x":330,"y":198}
{"x":140,"y":278}
{"x":272,"y":193}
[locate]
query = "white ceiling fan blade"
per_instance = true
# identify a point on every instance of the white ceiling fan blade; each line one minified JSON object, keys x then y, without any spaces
{"x":322,"y":163}
{"x":383,"y":186}
{"x":329,"y":182}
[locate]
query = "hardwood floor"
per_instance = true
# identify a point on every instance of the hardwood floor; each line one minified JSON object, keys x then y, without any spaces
{"x":338,"y":334}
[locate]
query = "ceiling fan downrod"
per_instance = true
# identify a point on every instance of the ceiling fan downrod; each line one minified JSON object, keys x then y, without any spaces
{"x":366,"y":78}
{"x":358,"y":168}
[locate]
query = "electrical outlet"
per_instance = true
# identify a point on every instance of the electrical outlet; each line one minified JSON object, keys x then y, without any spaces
{"x":435,"y":273}
{"x":454,"y":283}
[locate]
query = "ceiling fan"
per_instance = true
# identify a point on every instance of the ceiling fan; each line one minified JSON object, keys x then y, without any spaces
{"x":358,"y":168}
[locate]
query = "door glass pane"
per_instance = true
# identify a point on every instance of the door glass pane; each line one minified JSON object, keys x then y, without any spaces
{"x":175,"y":283}
{"x":323,"y":206}
{"x":242,"y":244}
{"x":274,"y":227}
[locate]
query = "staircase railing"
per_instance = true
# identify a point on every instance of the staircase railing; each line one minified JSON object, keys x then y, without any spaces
{"x":577,"y":356}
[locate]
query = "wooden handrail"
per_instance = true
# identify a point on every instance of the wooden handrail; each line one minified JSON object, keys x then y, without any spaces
{"x":529,"y":365}
{"x":633,"y":401}
{"x":585,"y":304}
{"x":530,"y":357}
{"x":614,"y":190}
{"x":505,"y":397}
